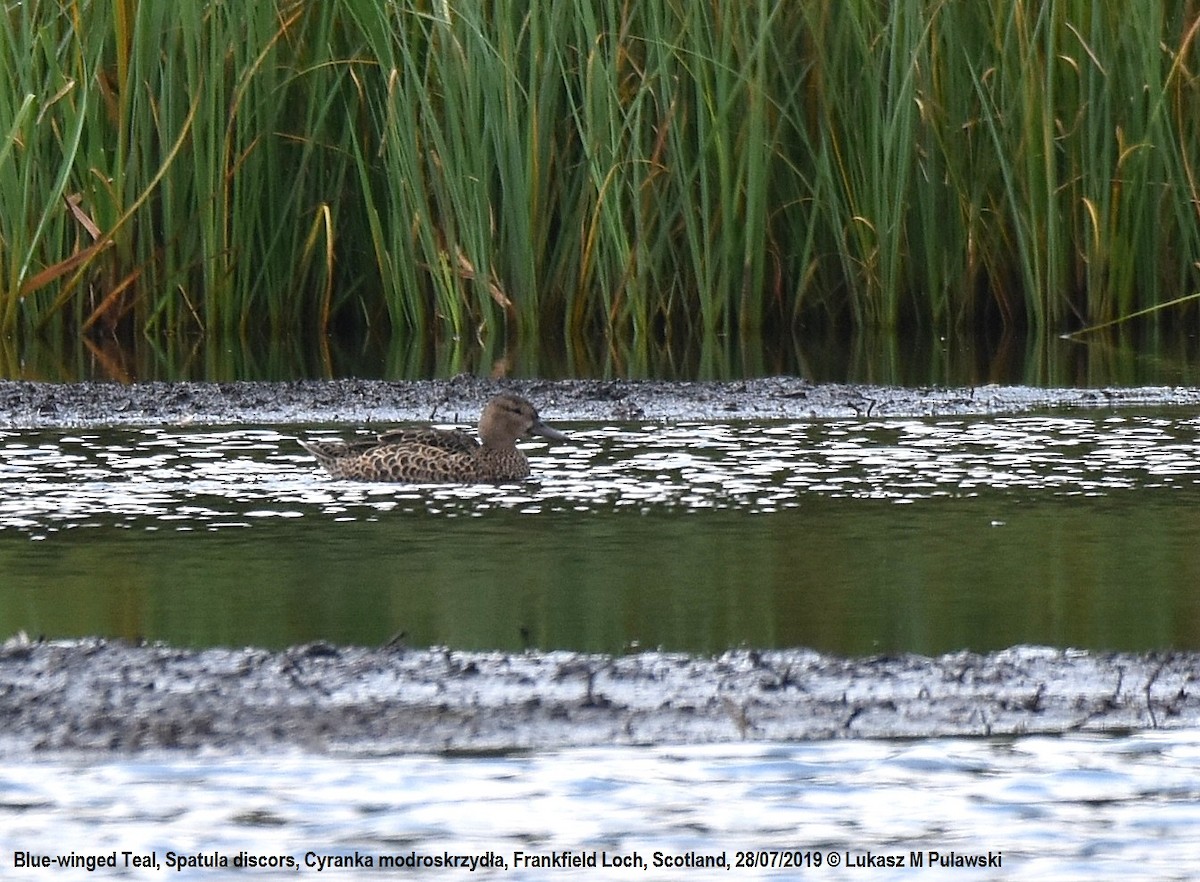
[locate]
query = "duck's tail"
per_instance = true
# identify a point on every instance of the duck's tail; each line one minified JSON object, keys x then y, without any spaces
{"x":326,"y":452}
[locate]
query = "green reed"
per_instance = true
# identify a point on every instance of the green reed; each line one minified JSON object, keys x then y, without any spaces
{"x":632,"y":171}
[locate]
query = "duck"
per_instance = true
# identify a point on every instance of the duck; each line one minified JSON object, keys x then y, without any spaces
{"x":428,"y":455}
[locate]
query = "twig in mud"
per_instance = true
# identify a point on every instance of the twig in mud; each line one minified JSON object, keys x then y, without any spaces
{"x":1114,"y":700}
{"x":1150,"y":683}
{"x":737,"y":713}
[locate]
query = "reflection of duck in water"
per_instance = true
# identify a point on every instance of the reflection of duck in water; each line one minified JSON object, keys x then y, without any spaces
{"x":420,"y":456}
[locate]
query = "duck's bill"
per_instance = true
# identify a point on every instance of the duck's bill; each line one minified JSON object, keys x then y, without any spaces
{"x":546,"y":432}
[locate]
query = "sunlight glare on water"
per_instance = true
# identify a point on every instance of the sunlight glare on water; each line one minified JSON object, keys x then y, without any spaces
{"x":165,"y":478}
{"x":1052,"y":808}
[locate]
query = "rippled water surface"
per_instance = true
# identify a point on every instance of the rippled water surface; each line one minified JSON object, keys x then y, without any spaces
{"x":849,"y":536}
{"x":1048,"y":808}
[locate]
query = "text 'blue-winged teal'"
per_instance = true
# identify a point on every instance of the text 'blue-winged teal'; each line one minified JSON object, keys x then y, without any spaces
{"x":422,"y":456}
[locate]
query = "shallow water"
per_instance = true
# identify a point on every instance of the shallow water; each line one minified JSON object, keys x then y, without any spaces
{"x":1049,"y":808}
{"x":849,"y":536}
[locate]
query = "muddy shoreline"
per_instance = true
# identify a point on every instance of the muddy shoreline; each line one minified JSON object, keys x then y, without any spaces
{"x":105,"y":696}
{"x":29,"y":405}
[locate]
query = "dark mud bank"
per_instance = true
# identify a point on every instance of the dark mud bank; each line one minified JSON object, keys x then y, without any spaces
{"x":95,"y":695}
{"x":43,"y":405}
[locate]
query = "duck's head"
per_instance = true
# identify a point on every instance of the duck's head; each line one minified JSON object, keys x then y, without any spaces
{"x":507,"y":418}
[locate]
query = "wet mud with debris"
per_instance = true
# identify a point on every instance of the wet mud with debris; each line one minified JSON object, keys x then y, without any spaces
{"x":97,"y":695}
{"x":43,"y":405}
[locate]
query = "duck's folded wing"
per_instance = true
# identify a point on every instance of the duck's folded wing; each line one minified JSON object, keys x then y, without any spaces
{"x":450,"y":440}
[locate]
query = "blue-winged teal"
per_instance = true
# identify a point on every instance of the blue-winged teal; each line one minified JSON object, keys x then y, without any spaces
{"x":420,"y":456}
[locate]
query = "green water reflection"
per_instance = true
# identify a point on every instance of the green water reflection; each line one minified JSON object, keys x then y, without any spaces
{"x":850,"y":576}
{"x":1123,"y":357}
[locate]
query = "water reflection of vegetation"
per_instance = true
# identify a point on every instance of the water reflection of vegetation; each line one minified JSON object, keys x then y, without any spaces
{"x":844,"y":575}
{"x":639,"y":171}
{"x":1125,"y":359}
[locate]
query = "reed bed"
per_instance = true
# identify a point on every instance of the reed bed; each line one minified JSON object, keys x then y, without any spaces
{"x":638,"y":170}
